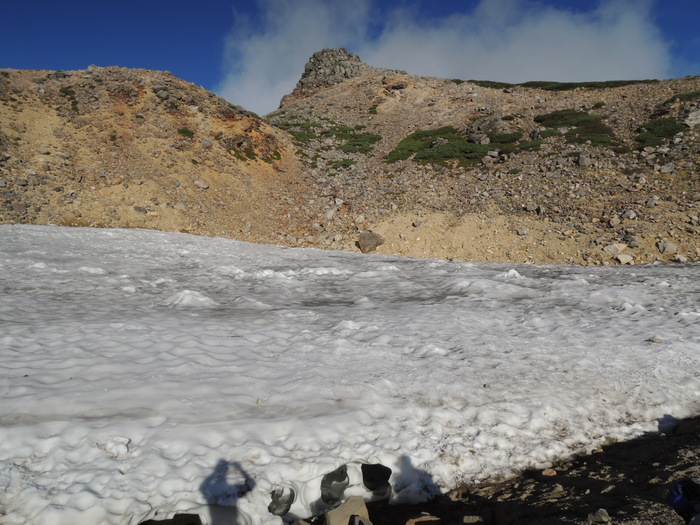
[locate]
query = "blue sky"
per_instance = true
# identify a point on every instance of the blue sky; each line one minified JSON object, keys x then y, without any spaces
{"x":253,"y":52}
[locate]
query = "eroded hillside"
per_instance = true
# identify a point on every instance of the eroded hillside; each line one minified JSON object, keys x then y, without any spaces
{"x":117,"y":147}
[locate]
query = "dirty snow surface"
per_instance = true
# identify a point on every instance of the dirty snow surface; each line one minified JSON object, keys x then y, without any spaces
{"x":147,"y":373}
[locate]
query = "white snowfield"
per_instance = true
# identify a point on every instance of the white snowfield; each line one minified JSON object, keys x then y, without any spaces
{"x":147,"y":373}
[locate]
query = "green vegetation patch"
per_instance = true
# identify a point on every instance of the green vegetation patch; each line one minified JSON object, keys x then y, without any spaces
{"x":343,"y":164}
{"x":564,"y":118}
{"x":186,"y":132}
{"x":585,"y":127}
{"x":352,"y":140}
{"x":567,"y":86}
{"x":504,"y":138}
{"x":360,"y":143}
{"x":654,"y":132}
{"x":437,"y":146}
{"x":67,"y":92}
{"x":561,"y":86}
{"x":690,"y":96}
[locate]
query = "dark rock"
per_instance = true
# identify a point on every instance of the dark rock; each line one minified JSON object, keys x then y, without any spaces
{"x":369,"y":241}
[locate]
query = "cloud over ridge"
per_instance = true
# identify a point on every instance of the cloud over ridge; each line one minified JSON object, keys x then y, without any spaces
{"x":503,"y":40}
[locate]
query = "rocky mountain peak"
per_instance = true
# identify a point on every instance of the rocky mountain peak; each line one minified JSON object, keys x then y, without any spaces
{"x":326,"y":68}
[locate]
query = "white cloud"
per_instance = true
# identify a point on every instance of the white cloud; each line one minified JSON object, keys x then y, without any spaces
{"x":264,"y":63}
{"x":505,"y":40}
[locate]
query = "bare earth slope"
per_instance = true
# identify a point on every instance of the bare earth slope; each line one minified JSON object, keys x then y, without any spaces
{"x":118,"y":147}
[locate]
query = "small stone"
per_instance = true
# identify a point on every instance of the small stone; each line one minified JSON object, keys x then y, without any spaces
{"x":201,"y":184}
{"x":624,"y":258}
{"x":417,"y":223}
{"x":61,"y":155}
{"x":524,"y":231}
{"x":652,"y":201}
{"x":656,"y":340}
{"x":668,"y":168}
{"x":615,"y":221}
{"x":615,"y":249}
{"x":369,"y":241}
{"x":667,"y":247}
{"x":584,"y":161}
{"x":140,"y":209}
{"x":629,"y":215}
{"x":599,"y":516}
{"x":207,"y":143}
{"x":549,"y":472}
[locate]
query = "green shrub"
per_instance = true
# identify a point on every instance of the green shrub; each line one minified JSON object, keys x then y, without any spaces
{"x":586,"y":127}
{"x":437,"y":146}
{"x":564,"y":118}
{"x":186,"y":132}
{"x":360,"y":143}
{"x":654,"y":132}
{"x":373,"y":109}
{"x":343,"y":164}
{"x":691,"y":96}
{"x":567,"y":86}
{"x":545,"y":134}
{"x":492,"y":84}
{"x":504,"y":138}
{"x":67,"y":91}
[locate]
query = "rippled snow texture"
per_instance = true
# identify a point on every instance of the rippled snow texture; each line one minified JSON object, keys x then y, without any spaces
{"x":146,"y":372}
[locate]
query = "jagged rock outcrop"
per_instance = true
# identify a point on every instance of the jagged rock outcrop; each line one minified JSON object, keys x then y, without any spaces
{"x":327,"y":68}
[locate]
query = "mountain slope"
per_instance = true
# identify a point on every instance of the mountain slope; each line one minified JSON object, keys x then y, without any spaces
{"x":118,"y":147}
{"x":594,"y":173}
{"x":564,"y":197}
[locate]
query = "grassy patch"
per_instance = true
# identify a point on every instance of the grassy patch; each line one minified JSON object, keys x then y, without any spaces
{"x":564,"y":118}
{"x":492,"y":84}
{"x":360,"y":143}
{"x":567,"y":86}
{"x":504,"y":138}
{"x":655,"y":132}
{"x":343,"y":164}
{"x":437,"y":146}
{"x":352,"y":141}
{"x":585,"y":127}
{"x":691,"y":96}
{"x":373,"y":109}
{"x":186,"y":132}
{"x":67,"y":91}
